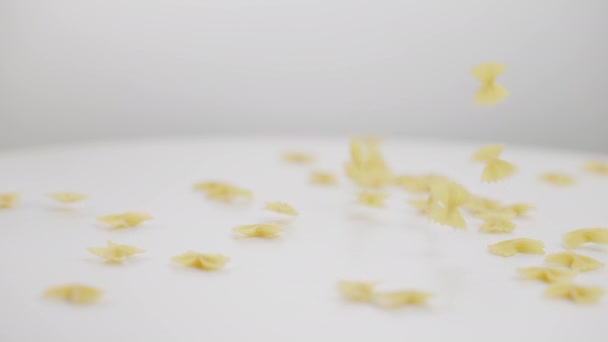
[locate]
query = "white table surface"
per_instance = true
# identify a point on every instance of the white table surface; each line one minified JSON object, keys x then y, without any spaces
{"x":284,"y":289}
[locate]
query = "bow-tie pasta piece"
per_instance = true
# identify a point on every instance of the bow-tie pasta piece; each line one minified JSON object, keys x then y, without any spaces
{"x":596,"y":167}
{"x":322,"y":178}
{"x":522,"y":245}
{"x":68,"y":197}
{"x":74,"y":293}
{"x":298,"y":157}
{"x":546,"y":274}
{"x":262,"y":230}
{"x":207,"y":262}
{"x":490,"y":92}
{"x":8,"y":200}
{"x":496,"y":223}
{"x":575,"y":262}
{"x":356,"y":291}
{"x":579,"y":237}
{"x":496,"y":170}
{"x":281,"y":207}
{"x":224,"y":192}
{"x":419,"y":183}
{"x":555,"y":178}
{"x":395,"y":299}
{"x":367,"y":166}
{"x":124,"y":220}
{"x":447,"y":198}
{"x":372,"y":199}
{"x":518,"y":209}
{"x":487,"y":152}
{"x":115,"y":253}
{"x":576,"y":293}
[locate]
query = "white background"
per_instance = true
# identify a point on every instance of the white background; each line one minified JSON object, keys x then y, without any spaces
{"x":85,"y":69}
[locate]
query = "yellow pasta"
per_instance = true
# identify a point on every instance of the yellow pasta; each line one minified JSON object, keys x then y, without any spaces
{"x":497,"y":169}
{"x":579,"y":237}
{"x":557,"y":178}
{"x":496,"y":223}
{"x":124,"y":220}
{"x":356,"y":291}
{"x":207,"y":262}
{"x":298,"y":157}
{"x":367,"y":166}
{"x":488,"y":152}
{"x":372,"y":199}
{"x":74,"y":293}
{"x":281,"y":207}
{"x":518,"y":209}
{"x":490,"y":92}
{"x":596,"y":167}
{"x":447,"y":197}
{"x":479,"y":205}
{"x":322,"y":178}
{"x":261,"y":230}
{"x":222,"y":191}
{"x":115,"y":253}
{"x":576,"y":293}
{"x":522,"y":245}
{"x":418,"y":183}
{"x":395,"y":299}
{"x":575,"y":262}
{"x":546,"y":274}
{"x":67,"y":197}
{"x":8,"y":200}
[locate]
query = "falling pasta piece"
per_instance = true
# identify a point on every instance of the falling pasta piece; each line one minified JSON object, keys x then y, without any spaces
{"x":555,"y":178}
{"x":298,"y":157}
{"x":447,"y":197}
{"x":67,"y":197}
{"x":262,"y":230}
{"x":74,"y":293}
{"x":488,"y":152}
{"x":207,"y":262}
{"x":281,"y":207}
{"x":125,"y":220}
{"x":115,"y":253}
{"x":395,"y":299}
{"x":596,"y":167}
{"x":579,"y":237}
{"x":372,"y":199}
{"x":497,"y":169}
{"x":367,"y":166}
{"x":546,"y":274}
{"x":576,"y":293}
{"x":356,"y":291}
{"x":490,"y":92}
{"x":322,"y":178}
{"x":575,"y":262}
{"x":222,"y":191}
{"x":8,"y":200}
{"x":496,"y":223}
{"x":511,"y":247}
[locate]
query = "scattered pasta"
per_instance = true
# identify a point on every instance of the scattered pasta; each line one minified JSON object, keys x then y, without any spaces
{"x":8,"y":200}
{"x":74,"y":293}
{"x":420,"y":183}
{"x":522,"y":245}
{"x":596,"y":167}
{"x":124,"y":220}
{"x":496,"y":223}
{"x":575,"y":262}
{"x":395,"y":299}
{"x":67,"y":197}
{"x":207,"y":262}
{"x":261,"y":230}
{"x":496,"y":169}
{"x":281,"y":207}
{"x":555,"y":178}
{"x":115,"y":253}
{"x":579,"y":237}
{"x":490,"y":92}
{"x":576,"y":293}
{"x":356,"y":291}
{"x":221,"y":191}
{"x":322,"y":178}
{"x":367,"y":166}
{"x":546,"y":274}
{"x":446,"y":198}
{"x":298,"y":157}
{"x":372,"y":199}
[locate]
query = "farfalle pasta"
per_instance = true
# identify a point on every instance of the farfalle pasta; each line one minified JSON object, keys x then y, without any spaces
{"x":281,"y":207}
{"x":115,"y":253}
{"x":579,"y":237}
{"x":396,"y":299}
{"x":495,"y":168}
{"x":322,"y":178}
{"x":298,"y":157}
{"x":447,"y":198}
{"x":8,"y":200}
{"x":522,"y":245}
{"x":125,"y":220}
{"x":222,"y":191}
{"x":575,"y":293}
{"x":372,"y":199}
{"x":496,"y":222}
{"x":556,"y":178}
{"x":546,"y":274}
{"x":367,"y":166}
{"x":260,"y":230}
{"x":68,"y":197}
{"x":596,"y":167}
{"x":74,"y":293}
{"x":356,"y":291}
{"x":490,"y":92}
{"x":206,"y":262}
{"x":574,"y":261}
